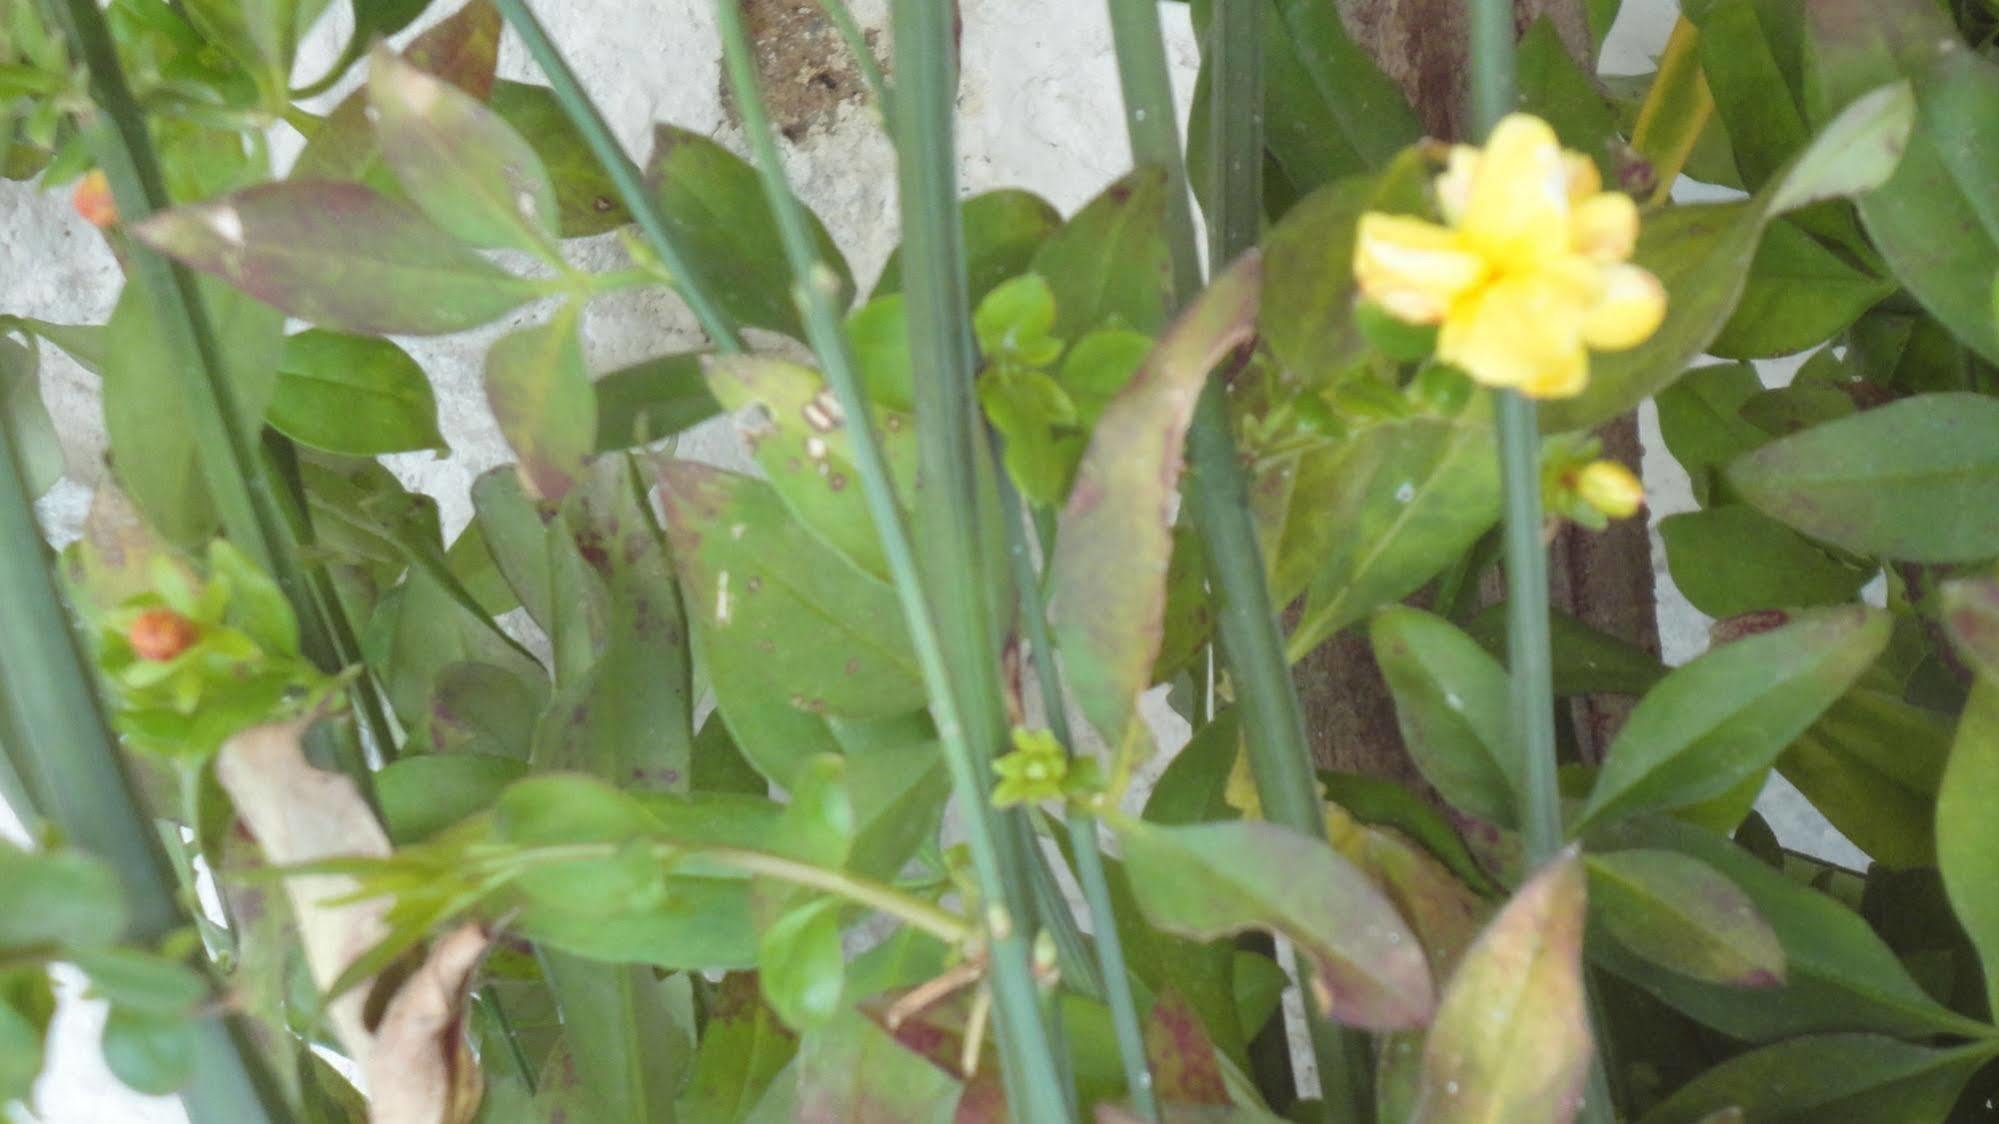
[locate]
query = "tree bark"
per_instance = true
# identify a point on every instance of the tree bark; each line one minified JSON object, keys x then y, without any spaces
{"x":1603,"y":579}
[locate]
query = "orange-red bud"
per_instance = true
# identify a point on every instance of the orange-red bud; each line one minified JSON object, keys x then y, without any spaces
{"x":92,"y":200}
{"x":160,"y":634}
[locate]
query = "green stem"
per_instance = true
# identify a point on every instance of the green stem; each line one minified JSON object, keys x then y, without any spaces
{"x":1527,"y":642}
{"x":1031,"y":1073}
{"x":625,"y":176}
{"x":938,"y":922}
{"x":1090,"y":874}
{"x":914,"y":911}
{"x":1273,"y":724}
{"x":244,"y":493}
{"x":1235,"y":128}
{"x":1529,"y":662}
{"x":78,"y":783}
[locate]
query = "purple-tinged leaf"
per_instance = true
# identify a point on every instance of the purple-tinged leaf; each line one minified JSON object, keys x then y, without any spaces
{"x":1181,"y":1056}
{"x":1680,"y":913}
{"x":341,"y":256}
{"x":1971,"y":618}
{"x":462,"y":165}
{"x":1511,"y":1040}
{"x":1108,"y":571}
{"x":464,"y":50}
{"x":1214,"y":880}
{"x":854,"y":1072}
{"x":540,"y":394}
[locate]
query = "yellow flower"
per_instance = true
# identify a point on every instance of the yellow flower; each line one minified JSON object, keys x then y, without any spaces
{"x":1530,"y":270}
{"x":1610,"y":488}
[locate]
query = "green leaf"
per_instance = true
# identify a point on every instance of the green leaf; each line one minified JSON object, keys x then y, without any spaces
{"x":1730,"y":712}
{"x":461,"y":163}
{"x":1871,"y":766}
{"x":586,"y":201}
{"x":1557,"y":90}
{"x":777,"y":610}
{"x":631,"y":718}
{"x":26,"y":1005}
{"x":802,"y":966}
{"x":141,"y":982}
{"x":1003,"y":229}
{"x":1830,"y":1079}
{"x":742,"y":1049}
{"x":1308,"y":316}
{"x":851,"y":1071}
{"x":1798,"y":294}
{"x":1892,"y":482}
{"x":58,"y":899}
{"x":715,"y":210}
{"x":1108,"y":264}
{"x":1700,"y":420}
{"x":1107,"y":574}
{"x":1702,"y":254}
{"x":798,"y":434}
{"x":418,"y":630}
{"x":628,"y":1050}
{"x":1936,"y":221}
{"x":1682,"y":914}
{"x":353,"y":395}
{"x":1734,"y":559}
{"x":150,"y":1053}
{"x":1320,"y":77}
{"x":31,"y":433}
{"x":541,"y":396}
{"x":1521,"y":981}
{"x":421,"y":796}
{"x":1751,"y":56}
{"x":1838,"y":974}
{"x":1967,"y":833}
{"x":257,"y":32}
{"x":1213,"y":880}
{"x":1399,"y":502}
{"x":1586,"y":661}
{"x":1013,"y":321}
{"x":146,"y":405}
{"x":1451,"y":705}
{"x":652,"y":399}
{"x":341,"y":256}
{"x":627,"y":907}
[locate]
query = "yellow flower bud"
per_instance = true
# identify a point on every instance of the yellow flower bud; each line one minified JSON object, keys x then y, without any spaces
{"x":1610,"y":488}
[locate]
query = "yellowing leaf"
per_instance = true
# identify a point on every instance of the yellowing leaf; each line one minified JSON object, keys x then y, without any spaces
{"x":1511,"y":1040}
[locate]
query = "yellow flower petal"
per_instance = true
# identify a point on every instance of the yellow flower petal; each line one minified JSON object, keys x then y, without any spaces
{"x":1584,"y":180}
{"x":1523,"y":332}
{"x":1610,"y":488}
{"x":1628,"y":309}
{"x":1454,"y":185}
{"x":1518,"y":211}
{"x":1604,"y":227}
{"x":1412,"y":268}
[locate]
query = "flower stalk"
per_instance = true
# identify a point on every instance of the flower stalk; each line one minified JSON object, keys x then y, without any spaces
{"x":964,"y":708}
